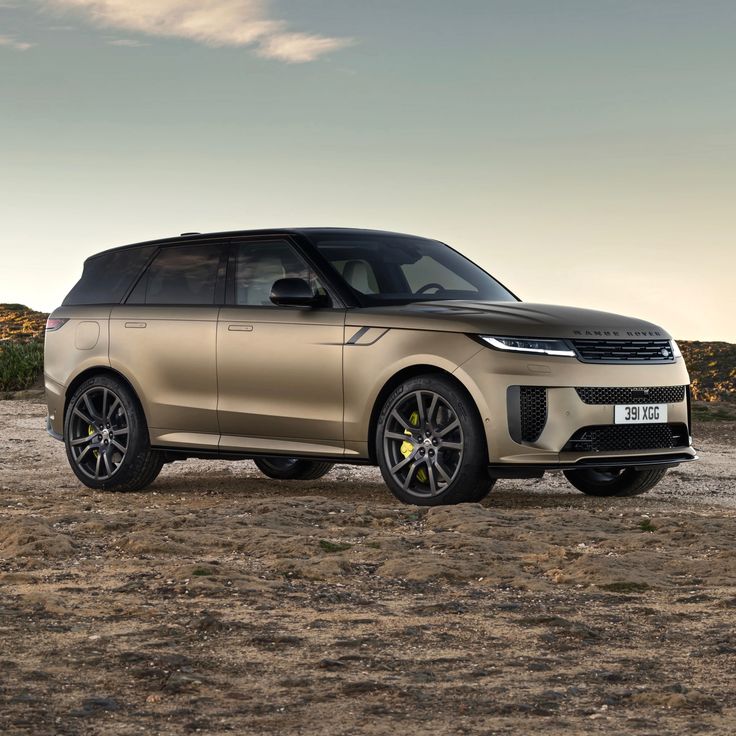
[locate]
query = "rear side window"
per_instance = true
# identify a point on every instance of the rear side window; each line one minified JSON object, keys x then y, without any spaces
{"x":184,"y":274}
{"x":106,"y":278}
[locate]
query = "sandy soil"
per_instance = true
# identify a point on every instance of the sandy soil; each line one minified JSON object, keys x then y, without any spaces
{"x":223,"y":602}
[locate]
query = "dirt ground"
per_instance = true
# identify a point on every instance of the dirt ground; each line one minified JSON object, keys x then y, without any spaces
{"x":222,"y":602}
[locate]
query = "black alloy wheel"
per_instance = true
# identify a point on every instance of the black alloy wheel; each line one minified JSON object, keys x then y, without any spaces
{"x":106,"y":437}
{"x":431,"y":445}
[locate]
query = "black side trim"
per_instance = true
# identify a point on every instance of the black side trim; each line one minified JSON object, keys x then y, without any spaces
{"x":182,"y":453}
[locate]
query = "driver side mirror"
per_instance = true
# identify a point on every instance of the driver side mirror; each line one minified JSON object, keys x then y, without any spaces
{"x":296,"y":293}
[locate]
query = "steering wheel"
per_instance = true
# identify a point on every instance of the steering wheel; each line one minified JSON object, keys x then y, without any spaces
{"x":431,"y":285}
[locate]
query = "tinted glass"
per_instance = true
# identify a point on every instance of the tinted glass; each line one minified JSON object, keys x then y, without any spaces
{"x":258,"y":265}
{"x":359,"y":274}
{"x":106,"y":278}
{"x":181,"y":274}
{"x":398,"y":269}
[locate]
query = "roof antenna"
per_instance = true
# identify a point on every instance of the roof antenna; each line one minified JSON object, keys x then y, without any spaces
{"x":183,"y":235}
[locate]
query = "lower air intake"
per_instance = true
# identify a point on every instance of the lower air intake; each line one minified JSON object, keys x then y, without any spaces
{"x":615,"y":437}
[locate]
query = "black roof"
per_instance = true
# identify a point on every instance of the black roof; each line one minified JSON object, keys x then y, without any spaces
{"x":308,"y":232}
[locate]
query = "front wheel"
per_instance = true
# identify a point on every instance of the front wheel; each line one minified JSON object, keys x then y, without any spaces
{"x":106,"y":437}
{"x":291,"y":468}
{"x":615,"y":481}
{"x":430,"y":444}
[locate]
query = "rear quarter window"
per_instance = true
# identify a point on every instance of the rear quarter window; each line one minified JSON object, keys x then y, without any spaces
{"x":107,"y":277}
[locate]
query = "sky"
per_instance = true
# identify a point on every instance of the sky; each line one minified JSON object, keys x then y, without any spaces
{"x":582,"y":151}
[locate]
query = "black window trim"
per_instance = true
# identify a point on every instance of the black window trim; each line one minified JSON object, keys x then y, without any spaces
{"x":335,"y":294}
{"x":219,"y":300}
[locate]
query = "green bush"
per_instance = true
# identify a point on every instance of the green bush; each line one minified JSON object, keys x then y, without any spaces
{"x":21,"y":363}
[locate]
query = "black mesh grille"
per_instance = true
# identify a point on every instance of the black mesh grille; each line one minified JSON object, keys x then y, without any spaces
{"x":612,"y":437}
{"x":652,"y":395}
{"x":533,"y":405}
{"x":624,"y":351}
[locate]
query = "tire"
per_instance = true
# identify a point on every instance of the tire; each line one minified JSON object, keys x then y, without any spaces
{"x":430,"y":444}
{"x":106,"y":437}
{"x":620,"y":482}
{"x":290,"y":468}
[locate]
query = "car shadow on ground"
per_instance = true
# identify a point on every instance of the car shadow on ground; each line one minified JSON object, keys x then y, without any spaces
{"x":342,"y":485}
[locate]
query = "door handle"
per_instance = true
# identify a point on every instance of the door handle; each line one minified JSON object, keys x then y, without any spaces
{"x":240,"y":328}
{"x":135,"y":325}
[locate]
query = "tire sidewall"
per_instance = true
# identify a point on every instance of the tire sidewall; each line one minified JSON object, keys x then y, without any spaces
{"x":628,"y":482}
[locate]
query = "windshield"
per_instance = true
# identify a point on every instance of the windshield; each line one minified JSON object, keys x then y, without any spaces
{"x":387,"y":269}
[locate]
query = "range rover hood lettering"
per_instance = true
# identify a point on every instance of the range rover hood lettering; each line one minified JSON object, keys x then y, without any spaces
{"x":518,"y":319}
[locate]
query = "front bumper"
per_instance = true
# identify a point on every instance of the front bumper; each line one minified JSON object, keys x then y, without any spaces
{"x":494,"y":379}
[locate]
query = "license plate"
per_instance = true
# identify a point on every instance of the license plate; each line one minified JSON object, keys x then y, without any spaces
{"x":640,"y":413}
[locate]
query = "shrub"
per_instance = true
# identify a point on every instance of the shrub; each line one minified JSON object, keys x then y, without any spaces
{"x":21,"y":363}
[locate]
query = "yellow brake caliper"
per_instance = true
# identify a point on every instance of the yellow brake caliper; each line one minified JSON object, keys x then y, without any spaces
{"x":90,"y":431}
{"x":407,"y":447}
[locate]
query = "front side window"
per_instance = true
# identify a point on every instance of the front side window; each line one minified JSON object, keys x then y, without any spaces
{"x":181,"y":274}
{"x":398,"y":269}
{"x":259,"y":265}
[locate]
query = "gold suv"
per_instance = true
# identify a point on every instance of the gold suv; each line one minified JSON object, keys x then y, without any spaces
{"x":304,"y":348}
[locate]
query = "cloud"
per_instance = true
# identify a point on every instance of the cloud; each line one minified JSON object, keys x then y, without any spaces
{"x":297,"y":48}
{"x":12,"y":43}
{"x":210,"y":22}
{"x":129,"y":42}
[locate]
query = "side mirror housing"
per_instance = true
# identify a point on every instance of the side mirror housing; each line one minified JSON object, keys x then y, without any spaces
{"x":296,"y":293}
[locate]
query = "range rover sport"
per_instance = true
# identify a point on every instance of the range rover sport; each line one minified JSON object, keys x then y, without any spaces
{"x":308,"y":347}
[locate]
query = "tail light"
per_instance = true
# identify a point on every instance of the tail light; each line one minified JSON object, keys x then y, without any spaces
{"x":55,"y":323}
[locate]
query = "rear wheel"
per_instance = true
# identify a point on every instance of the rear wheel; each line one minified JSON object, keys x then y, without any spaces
{"x":615,"y":481}
{"x":291,"y":468}
{"x":431,"y":444}
{"x":106,"y":437}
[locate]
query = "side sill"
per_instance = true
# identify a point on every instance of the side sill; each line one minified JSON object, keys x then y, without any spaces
{"x":183,"y":453}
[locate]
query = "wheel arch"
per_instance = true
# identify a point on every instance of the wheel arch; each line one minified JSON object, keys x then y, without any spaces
{"x":412,"y":371}
{"x":101,"y":370}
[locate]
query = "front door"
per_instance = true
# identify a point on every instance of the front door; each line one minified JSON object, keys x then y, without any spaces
{"x":279,"y":368}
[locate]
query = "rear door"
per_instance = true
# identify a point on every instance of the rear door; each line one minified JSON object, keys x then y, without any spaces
{"x":279,"y":368}
{"x":164,"y":340}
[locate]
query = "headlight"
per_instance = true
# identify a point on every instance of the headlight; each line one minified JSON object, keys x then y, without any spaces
{"x":675,"y":350}
{"x":529,"y":345}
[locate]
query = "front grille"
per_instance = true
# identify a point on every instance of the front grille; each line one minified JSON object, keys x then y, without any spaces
{"x":624,"y":351}
{"x":613,"y":437}
{"x":533,"y":408}
{"x":651,"y":395}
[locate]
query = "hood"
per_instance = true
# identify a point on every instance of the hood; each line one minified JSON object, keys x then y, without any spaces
{"x":518,"y":319}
